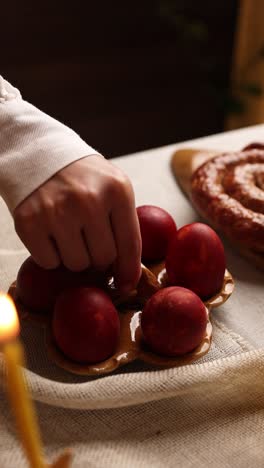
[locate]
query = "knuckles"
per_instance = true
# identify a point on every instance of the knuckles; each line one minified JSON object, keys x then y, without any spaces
{"x":119,"y":185}
{"x":24,"y":218}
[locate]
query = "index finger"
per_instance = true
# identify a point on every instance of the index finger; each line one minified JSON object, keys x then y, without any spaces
{"x":127,"y":236}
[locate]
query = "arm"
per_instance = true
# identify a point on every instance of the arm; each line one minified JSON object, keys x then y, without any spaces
{"x":30,"y":140}
{"x":67,"y":207}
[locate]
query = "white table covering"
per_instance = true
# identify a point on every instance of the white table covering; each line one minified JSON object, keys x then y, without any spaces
{"x":198,"y":416}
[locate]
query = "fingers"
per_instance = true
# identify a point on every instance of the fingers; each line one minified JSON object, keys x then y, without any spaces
{"x":84,"y":216}
{"x":71,"y":245}
{"x":35,"y":237}
{"x":128,"y":243}
{"x":100,"y":240}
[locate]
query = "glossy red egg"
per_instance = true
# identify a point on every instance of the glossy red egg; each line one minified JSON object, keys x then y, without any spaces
{"x":196,"y":260}
{"x":85,"y":324}
{"x":157,"y":228}
{"x":173,"y":321}
{"x":37,"y":288}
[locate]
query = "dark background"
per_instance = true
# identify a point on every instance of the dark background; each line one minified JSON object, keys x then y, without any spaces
{"x":125,"y":75}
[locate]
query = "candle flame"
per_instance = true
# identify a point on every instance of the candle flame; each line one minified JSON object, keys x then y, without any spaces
{"x":9,"y":323}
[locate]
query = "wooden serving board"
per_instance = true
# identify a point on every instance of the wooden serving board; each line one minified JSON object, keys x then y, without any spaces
{"x":185,"y":161}
{"x":183,"y":164}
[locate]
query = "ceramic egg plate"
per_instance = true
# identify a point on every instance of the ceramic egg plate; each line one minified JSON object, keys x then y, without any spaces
{"x":131,"y":345}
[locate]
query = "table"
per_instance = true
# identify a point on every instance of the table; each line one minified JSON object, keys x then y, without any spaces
{"x":209,"y":413}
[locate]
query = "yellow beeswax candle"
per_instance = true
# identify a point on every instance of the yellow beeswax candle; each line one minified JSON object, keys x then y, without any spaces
{"x":17,"y":389}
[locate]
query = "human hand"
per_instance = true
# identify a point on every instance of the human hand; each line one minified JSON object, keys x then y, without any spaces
{"x":84,"y":216}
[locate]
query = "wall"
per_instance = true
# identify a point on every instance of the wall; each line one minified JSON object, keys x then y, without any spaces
{"x":125,"y":75}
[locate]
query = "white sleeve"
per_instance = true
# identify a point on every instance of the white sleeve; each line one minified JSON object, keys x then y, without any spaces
{"x":33,"y":146}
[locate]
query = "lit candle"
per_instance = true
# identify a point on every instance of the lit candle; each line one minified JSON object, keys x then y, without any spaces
{"x":16,"y":385}
{"x":17,"y":389}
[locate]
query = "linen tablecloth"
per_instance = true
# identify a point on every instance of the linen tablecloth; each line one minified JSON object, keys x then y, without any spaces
{"x":207,"y":413}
